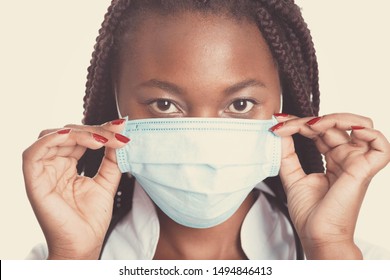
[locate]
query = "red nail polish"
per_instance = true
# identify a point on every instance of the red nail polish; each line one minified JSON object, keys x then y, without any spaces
{"x":314,"y":121}
{"x":99,"y":138}
{"x":122,"y":138}
{"x":357,"y":127}
{"x":118,"y":121}
{"x":276,"y":127}
{"x":64,"y":131}
{"x":282,"y":115}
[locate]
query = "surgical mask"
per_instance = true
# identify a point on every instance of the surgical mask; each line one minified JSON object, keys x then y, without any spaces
{"x":198,"y":171}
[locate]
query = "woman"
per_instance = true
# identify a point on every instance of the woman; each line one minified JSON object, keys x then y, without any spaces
{"x":204,"y":59}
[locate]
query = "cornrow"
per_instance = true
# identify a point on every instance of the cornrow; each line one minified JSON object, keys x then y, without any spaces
{"x":282,"y":26}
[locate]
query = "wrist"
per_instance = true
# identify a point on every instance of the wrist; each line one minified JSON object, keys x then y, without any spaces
{"x":345,"y":250}
{"x":72,"y":254}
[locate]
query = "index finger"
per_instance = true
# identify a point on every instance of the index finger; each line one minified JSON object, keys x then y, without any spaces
{"x":311,"y":127}
{"x":66,"y":138}
{"x":115,"y":126}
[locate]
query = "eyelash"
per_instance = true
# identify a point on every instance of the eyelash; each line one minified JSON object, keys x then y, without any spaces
{"x":246,"y":100}
{"x":153,"y":102}
{"x":154,"y":106}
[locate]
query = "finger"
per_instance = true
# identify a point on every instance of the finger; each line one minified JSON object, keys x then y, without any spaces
{"x":328,"y":131}
{"x":379,"y":153}
{"x":332,"y":129}
{"x":350,"y":187}
{"x":100,"y":134}
{"x":292,"y":125}
{"x":47,"y":146}
{"x":115,"y":126}
{"x":311,"y":127}
{"x":69,"y":138}
{"x":110,"y":130}
{"x":331,"y":139}
{"x":282,"y":117}
{"x":109,"y":173}
{"x":47,"y":131}
{"x":290,"y":169}
{"x":75,"y":152}
{"x":343,"y":121}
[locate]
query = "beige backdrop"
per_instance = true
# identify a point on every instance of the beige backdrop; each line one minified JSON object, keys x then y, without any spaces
{"x":46,"y":46}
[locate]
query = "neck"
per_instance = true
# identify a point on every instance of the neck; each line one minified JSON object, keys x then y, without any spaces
{"x":220,"y":242}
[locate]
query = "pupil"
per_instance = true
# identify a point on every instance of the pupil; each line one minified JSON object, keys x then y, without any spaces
{"x":240,"y":105}
{"x":163,"y":105}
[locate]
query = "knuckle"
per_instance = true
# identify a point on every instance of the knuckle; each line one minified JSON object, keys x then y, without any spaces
{"x":369,"y":122}
{"x":86,"y":128}
{"x":99,"y":130}
{"x":70,"y":125}
{"x":45,"y":132}
{"x":26,"y":154}
{"x":102,"y":130}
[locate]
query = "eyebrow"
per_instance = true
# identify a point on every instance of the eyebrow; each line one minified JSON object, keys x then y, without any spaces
{"x":166,"y":86}
{"x":172,"y":88}
{"x":244,"y":84}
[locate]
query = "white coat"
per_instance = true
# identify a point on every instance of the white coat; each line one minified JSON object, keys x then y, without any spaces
{"x":266,"y":234}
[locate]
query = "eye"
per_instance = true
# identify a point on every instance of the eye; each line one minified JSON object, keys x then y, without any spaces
{"x":164,"y":106}
{"x":241,"y":106}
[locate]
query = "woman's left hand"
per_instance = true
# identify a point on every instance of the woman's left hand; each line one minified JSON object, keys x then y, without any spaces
{"x":324,"y":207}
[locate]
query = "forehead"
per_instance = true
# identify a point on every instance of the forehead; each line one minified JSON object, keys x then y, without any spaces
{"x":194,"y":43}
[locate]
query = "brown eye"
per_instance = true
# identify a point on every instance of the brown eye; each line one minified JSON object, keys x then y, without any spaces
{"x":241,"y":106}
{"x":164,"y":106}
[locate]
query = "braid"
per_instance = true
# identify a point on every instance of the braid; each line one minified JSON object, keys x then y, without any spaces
{"x":99,"y":100}
{"x":290,"y":42}
{"x":99,"y":95}
{"x":100,"y":106}
{"x":282,"y":26}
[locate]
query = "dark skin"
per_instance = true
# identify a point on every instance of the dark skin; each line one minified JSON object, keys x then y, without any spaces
{"x":203,"y":66}
{"x":221,"y":78}
{"x":193,"y":66}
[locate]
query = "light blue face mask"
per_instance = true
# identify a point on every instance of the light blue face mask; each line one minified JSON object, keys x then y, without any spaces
{"x":198,"y":171}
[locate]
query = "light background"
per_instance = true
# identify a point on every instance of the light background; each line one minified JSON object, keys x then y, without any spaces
{"x":45,"y":49}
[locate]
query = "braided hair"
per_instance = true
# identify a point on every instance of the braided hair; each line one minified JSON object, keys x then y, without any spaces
{"x":283,"y":28}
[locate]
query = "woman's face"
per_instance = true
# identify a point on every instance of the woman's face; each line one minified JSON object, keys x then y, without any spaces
{"x":196,"y":66}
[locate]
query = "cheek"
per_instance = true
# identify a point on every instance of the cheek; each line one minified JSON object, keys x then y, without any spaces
{"x":133,"y":110}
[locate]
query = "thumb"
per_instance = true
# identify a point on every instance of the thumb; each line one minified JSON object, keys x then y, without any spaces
{"x":109,"y":175}
{"x":290,"y":169}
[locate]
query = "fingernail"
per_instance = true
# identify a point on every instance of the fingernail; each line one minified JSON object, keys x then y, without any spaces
{"x":122,"y":138}
{"x":277,"y":126}
{"x":64,"y":131}
{"x":357,"y":127}
{"x":282,"y":115}
{"x":314,"y":121}
{"x":118,"y":121}
{"x":99,"y":138}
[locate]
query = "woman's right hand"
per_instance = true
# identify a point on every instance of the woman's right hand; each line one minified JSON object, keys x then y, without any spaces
{"x":74,"y":211}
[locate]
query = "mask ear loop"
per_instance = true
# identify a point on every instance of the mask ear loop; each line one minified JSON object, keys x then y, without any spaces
{"x":117,"y":105}
{"x":281,"y":103}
